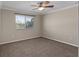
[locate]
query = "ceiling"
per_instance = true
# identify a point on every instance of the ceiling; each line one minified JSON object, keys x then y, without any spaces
{"x":25,"y":6}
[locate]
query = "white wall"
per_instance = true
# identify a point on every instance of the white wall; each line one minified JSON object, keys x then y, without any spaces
{"x":0,"y":21}
{"x":0,"y":25}
{"x":78,"y":28}
{"x":78,"y":52}
{"x":62,"y":26}
{"x":41,"y":25}
{"x":10,"y":33}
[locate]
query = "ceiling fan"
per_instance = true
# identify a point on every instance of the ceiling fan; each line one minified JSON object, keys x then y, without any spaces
{"x":42,"y":5}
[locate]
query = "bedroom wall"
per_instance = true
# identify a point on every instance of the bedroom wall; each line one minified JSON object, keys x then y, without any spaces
{"x":11,"y":34}
{"x":0,"y":20}
{"x":78,"y":28}
{"x":0,"y":4}
{"x":0,"y":25}
{"x":62,"y":26}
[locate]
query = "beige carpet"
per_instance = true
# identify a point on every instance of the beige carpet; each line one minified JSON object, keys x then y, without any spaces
{"x":38,"y":47}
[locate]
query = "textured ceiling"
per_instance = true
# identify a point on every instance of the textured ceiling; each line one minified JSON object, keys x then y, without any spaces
{"x":25,"y":6}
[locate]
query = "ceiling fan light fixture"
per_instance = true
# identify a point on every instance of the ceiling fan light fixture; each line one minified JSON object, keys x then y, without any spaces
{"x":41,"y":8}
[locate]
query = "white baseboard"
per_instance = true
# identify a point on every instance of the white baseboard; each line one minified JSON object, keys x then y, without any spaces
{"x":37,"y":37}
{"x":62,"y":41}
{"x":18,"y":40}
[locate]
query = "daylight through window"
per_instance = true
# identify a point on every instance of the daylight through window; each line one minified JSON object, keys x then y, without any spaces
{"x":23,"y":21}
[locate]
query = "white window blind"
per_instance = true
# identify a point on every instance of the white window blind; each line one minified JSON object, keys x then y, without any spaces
{"x":23,"y":21}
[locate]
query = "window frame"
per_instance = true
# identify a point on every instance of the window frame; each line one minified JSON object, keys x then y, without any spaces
{"x":25,"y":21}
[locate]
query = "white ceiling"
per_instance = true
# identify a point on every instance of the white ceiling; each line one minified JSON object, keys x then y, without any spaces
{"x":25,"y":6}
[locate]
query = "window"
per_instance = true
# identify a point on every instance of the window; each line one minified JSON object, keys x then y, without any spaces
{"x":29,"y":21}
{"x":23,"y":21}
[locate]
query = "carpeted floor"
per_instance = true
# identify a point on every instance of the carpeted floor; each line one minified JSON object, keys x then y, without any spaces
{"x":38,"y":47}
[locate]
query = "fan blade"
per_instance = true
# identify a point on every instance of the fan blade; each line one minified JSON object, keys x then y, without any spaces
{"x":34,"y":5}
{"x":49,"y":6}
{"x":34,"y":8}
{"x":40,"y":4}
{"x":45,"y":3}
